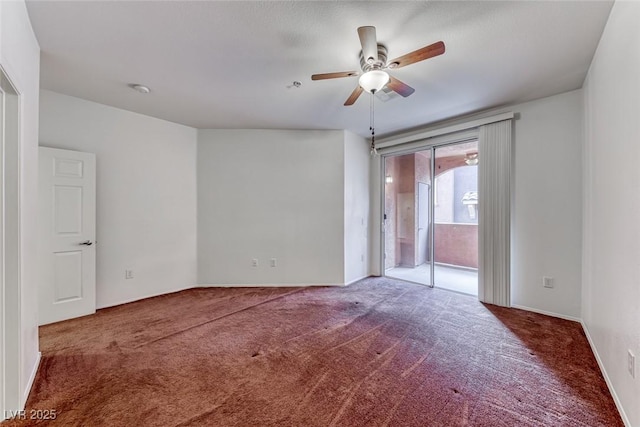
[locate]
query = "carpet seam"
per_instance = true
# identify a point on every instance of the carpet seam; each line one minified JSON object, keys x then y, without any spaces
{"x":217,"y":318}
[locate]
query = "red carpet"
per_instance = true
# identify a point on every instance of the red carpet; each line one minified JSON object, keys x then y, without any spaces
{"x":377,"y":353}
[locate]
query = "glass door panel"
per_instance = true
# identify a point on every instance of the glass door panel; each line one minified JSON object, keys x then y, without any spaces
{"x":455,"y":227}
{"x":407,"y":214}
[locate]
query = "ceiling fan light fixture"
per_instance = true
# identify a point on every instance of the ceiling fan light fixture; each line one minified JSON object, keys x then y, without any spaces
{"x":374,"y":80}
{"x":471,"y":159}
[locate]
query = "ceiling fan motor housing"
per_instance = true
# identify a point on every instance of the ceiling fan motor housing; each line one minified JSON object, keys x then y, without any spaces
{"x":367,"y":64}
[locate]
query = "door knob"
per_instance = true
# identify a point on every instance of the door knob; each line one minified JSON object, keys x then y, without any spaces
{"x":87,"y":243}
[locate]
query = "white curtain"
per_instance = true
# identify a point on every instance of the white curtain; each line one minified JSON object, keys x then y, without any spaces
{"x":494,"y":213}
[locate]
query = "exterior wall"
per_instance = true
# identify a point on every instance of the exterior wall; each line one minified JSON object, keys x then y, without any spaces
{"x":456,"y":241}
{"x":406,"y":211}
{"x":422,"y":171}
{"x":457,"y":244}
{"x":443,"y":209}
{"x":466,"y":180}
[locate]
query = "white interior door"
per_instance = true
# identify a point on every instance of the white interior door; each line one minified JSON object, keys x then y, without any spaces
{"x":67,"y":209}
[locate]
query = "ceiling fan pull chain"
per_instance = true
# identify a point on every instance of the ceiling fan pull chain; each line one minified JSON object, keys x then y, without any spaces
{"x":372,"y":127}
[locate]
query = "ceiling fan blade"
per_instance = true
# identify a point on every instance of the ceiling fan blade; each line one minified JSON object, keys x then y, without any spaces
{"x":354,"y":96}
{"x":399,"y":87}
{"x":369,"y":43}
{"x":334,"y":75}
{"x":418,"y":55}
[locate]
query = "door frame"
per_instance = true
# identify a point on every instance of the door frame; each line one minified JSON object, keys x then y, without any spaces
{"x":11,"y":363}
{"x":429,"y":144}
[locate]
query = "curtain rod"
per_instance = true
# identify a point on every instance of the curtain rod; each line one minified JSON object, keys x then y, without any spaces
{"x":437,"y":131}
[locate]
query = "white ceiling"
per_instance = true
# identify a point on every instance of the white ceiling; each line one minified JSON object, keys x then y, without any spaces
{"x":213,"y":64}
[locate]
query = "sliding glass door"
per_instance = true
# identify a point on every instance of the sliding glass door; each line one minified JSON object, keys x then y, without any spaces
{"x":430,"y":216}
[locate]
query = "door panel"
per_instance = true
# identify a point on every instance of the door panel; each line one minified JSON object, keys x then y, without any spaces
{"x":69,"y":168}
{"x":455,"y":225}
{"x":67,"y":277}
{"x":67,"y":209}
{"x":407,"y":212}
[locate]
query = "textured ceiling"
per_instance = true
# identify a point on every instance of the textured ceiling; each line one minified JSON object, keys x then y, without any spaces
{"x":231,"y":64}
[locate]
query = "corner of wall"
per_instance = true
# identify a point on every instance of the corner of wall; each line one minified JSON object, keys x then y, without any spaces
{"x":607,"y":380}
{"x":356,"y":208}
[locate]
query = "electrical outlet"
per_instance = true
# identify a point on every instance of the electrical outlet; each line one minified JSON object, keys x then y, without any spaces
{"x":631,"y":363}
{"x":547,"y":282}
{"x":273,"y":262}
{"x":128,"y":274}
{"x":254,"y":262}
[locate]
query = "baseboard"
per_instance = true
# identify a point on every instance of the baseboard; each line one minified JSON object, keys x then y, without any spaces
{"x":155,"y":294}
{"x":548,"y":313}
{"x":616,"y":400}
{"x":357,"y":280}
{"x":32,"y":378}
{"x":266,"y":285}
{"x":224,"y":285}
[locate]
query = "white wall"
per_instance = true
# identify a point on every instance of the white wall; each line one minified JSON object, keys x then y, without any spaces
{"x":146,"y":194}
{"x":611,"y":257}
{"x":270,"y":194}
{"x":20,"y":59}
{"x":547,"y":200}
{"x":547,"y":217}
{"x":356,"y":207}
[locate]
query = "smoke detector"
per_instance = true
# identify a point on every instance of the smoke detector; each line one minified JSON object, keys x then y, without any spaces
{"x":140,"y":88}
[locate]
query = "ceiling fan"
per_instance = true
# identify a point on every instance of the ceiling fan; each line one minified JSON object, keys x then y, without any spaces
{"x":373,"y":62}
